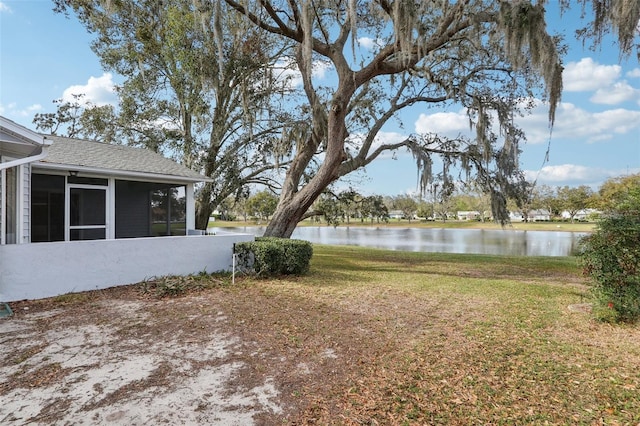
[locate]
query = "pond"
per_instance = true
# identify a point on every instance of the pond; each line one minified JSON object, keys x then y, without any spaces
{"x":437,"y":240}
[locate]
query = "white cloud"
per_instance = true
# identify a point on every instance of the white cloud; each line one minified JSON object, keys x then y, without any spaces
{"x":369,"y":43}
{"x":4,"y":7}
{"x":564,"y":173}
{"x":634,"y":73}
{"x":450,"y":124}
{"x":573,"y":122}
{"x":34,"y":108}
{"x":320,"y":69}
{"x":290,"y":75}
{"x":98,"y":90}
{"x":573,"y":174}
{"x":588,"y":75}
{"x":12,"y":111}
{"x":288,"y":72}
{"x":618,"y":93}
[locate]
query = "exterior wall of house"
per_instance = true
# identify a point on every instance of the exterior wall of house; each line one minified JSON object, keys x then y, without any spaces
{"x":468,"y":215}
{"x":64,"y":267}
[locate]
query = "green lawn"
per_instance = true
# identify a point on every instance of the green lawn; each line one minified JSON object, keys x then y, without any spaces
{"x":375,"y":337}
{"x":462,"y":339}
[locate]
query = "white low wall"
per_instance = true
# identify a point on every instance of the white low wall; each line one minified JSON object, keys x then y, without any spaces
{"x":37,"y":270}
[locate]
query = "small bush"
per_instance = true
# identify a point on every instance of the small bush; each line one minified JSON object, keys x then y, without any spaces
{"x":611,"y":256}
{"x":269,"y":256}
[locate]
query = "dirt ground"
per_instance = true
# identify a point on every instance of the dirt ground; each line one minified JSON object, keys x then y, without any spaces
{"x":275,"y":352}
{"x":221,"y":356}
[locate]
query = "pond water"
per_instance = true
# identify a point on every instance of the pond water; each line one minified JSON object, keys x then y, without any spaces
{"x":437,"y":240}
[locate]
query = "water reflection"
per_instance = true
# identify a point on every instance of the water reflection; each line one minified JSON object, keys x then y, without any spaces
{"x":438,"y":240}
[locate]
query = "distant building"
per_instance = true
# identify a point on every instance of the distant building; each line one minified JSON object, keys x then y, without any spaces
{"x":396,"y":214}
{"x":516,"y":217}
{"x":468,"y":215}
{"x":539,"y":215}
{"x":582,"y":215}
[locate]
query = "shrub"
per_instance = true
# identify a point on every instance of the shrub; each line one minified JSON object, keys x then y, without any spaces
{"x":269,"y":256}
{"x":611,"y":257}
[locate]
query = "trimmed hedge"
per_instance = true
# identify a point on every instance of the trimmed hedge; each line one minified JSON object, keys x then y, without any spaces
{"x":270,"y":256}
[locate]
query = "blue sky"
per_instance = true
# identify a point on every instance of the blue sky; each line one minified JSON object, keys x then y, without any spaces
{"x":46,"y":56}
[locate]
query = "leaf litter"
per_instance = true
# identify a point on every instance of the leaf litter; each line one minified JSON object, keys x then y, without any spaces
{"x":316,"y":351}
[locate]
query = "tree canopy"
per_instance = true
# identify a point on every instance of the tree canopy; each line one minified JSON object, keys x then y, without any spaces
{"x":491,"y":57}
{"x":193,"y":90}
{"x":621,"y":194}
{"x":262,"y":205}
{"x":207,"y":67}
{"x":486,"y":56}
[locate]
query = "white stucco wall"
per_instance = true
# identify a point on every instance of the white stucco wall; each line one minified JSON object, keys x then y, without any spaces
{"x":33,"y":271}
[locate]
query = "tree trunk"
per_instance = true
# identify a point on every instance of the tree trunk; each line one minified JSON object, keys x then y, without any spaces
{"x":294,"y":204}
{"x":203,"y":208}
{"x":283,"y":222}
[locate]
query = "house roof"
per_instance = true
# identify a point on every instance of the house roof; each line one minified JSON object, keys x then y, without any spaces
{"x":18,"y":141}
{"x":99,"y":157}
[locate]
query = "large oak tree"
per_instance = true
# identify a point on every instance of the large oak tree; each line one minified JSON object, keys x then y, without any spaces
{"x":491,"y":57}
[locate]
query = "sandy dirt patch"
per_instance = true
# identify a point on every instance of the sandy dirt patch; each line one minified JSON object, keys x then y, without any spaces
{"x":116,"y":362}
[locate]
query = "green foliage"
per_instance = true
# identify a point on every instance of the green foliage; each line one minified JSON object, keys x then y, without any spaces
{"x":197,"y":85}
{"x":406,"y":204}
{"x":350,"y":200}
{"x":270,"y":256}
{"x":574,"y":199}
{"x":330,"y":208}
{"x":611,"y":256}
{"x":262,"y":205}
{"x":373,"y":207}
{"x":618,"y":193}
{"x":79,"y":119}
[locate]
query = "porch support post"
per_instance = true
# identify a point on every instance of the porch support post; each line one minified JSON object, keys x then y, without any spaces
{"x":111,"y":210}
{"x":20,"y":207}
{"x":191,"y":207}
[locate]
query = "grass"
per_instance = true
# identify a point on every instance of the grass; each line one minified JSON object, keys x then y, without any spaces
{"x":401,"y":338}
{"x":468,"y":339}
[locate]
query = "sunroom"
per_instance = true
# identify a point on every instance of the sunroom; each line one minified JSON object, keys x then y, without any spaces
{"x":85,"y":190}
{"x":80,"y":215}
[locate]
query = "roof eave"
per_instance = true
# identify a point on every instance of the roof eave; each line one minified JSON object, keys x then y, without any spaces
{"x":121,"y":173}
{"x":23,"y":133}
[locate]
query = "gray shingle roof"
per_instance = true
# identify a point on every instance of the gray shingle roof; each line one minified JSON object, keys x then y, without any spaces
{"x":114,"y":158}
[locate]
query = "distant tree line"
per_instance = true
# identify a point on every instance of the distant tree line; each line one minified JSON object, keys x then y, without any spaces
{"x":438,"y":203}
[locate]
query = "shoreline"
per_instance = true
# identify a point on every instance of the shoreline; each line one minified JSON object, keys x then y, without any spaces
{"x":515,"y":226}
